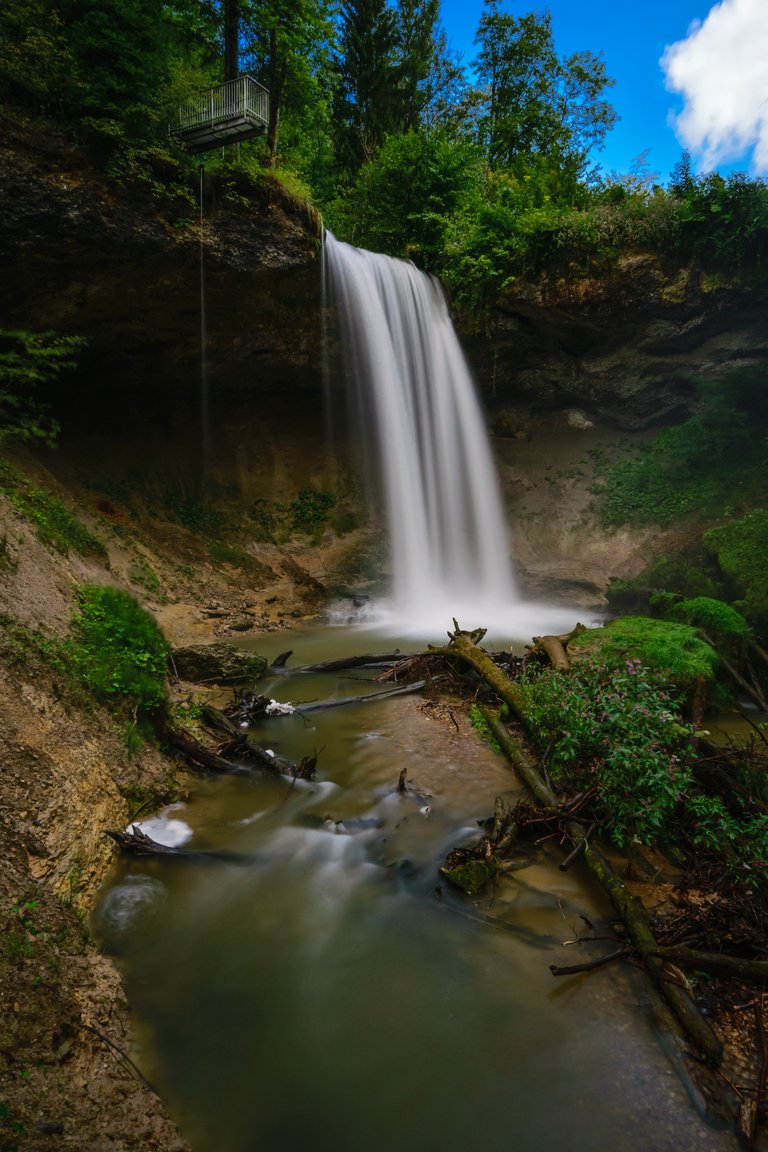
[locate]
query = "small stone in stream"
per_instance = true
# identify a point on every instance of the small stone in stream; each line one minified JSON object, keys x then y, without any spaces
{"x":470,"y":877}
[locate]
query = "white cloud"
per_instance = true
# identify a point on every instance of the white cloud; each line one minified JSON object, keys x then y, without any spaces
{"x":721,"y":71}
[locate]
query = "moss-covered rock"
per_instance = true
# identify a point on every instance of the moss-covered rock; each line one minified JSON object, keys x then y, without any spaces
{"x":218,"y":664}
{"x":741,"y":547}
{"x":471,"y":877}
{"x":674,"y":649}
{"x":726,"y":627}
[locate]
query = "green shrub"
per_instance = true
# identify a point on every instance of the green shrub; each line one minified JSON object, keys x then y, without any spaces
{"x":615,"y":729}
{"x":741,"y":547}
{"x":675,"y":650}
{"x":119,"y":652}
{"x":309,"y":511}
{"x":30,"y":361}
{"x":742,"y":838}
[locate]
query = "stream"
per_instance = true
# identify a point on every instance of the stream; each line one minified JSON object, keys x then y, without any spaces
{"x":329,"y":991}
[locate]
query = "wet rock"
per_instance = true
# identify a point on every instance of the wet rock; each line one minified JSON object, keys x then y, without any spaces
{"x":471,"y":877}
{"x":218,"y":664}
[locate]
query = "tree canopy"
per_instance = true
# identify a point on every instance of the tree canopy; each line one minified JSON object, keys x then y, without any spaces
{"x":485,"y":169}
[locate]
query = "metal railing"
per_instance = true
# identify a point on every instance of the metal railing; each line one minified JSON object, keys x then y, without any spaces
{"x":243,"y":97}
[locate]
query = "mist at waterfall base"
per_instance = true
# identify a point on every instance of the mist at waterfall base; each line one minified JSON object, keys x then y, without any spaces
{"x":416,"y":404}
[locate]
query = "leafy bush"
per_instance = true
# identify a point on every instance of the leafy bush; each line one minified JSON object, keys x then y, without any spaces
{"x":686,"y":575}
{"x":742,"y":838}
{"x":118,"y":651}
{"x":615,"y":729}
{"x":28,"y":361}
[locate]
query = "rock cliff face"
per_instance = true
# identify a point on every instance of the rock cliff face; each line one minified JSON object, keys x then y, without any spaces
{"x":625,"y":348}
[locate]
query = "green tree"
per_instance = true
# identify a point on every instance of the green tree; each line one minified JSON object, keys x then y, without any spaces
{"x":35,"y":61}
{"x":119,"y":50}
{"x":402,"y":202}
{"x":415,"y":22}
{"x":288,"y":45}
{"x":534,"y":102}
{"x":28,"y":362}
{"x":366,"y":78}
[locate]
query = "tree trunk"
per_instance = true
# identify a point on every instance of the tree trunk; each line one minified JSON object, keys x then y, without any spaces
{"x":231,"y":39}
{"x":717,"y":964}
{"x":276,"y":73}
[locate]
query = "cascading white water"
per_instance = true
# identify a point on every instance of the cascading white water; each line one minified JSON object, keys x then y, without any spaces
{"x":450,"y":554}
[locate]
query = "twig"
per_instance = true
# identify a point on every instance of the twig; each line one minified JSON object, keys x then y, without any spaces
{"x":587,"y":966}
{"x":122,"y":1056}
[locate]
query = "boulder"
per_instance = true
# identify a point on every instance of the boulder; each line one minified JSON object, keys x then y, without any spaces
{"x":218,"y":664}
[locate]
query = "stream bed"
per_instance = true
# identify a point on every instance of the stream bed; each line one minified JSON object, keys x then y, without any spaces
{"x":325,"y":989}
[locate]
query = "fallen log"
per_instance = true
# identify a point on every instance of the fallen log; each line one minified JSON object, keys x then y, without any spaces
{"x":717,"y":963}
{"x":466,"y":646}
{"x":347,"y":662}
{"x":635,"y":919}
{"x":200,"y":756}
{"x":588,"y":965}
{"x":555,"y":651}
{"x":317,"y":705}
{"x":195,"y":752}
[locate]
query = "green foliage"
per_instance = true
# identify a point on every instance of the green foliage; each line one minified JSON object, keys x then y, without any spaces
{"x":681,"y":575}
{"x":483,"y":728}
{"x":723,"y":222}
{"x":714,"y":459}
{"x":666,"y":648}
{"x":309,"y":511}
{"x":535,"y":102}
{"x":35,"y":61}
{"x":29,"y":361}
{"x":741,"y":547}
{"x":118,"y":651}
{"x":119,"y":53}
{"x":402,"y":202}
{"x":55,"y":525}
{"x":309,"y":514}
{"x":615,"y":728}
{"x":740,"y":837}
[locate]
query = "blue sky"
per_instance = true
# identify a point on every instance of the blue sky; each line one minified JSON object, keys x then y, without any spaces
{"x":720,"y":68}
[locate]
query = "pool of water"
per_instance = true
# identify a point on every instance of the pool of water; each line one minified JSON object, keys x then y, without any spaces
{"x":324,"y":989}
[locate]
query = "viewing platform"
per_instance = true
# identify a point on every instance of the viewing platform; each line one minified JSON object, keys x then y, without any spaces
{"x":227,"y":114}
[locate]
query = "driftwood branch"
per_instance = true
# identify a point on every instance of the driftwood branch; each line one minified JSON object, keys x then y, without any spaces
{"x":588,"y":965}
{"x":406,"y":690}
{"x":137,"y":843}
{"x":346,"y":662}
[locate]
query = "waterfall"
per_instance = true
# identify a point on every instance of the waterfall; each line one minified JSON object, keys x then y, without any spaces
{"x":448,"y":537}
